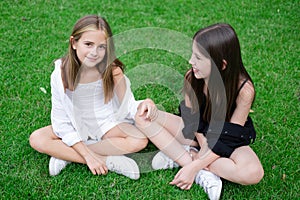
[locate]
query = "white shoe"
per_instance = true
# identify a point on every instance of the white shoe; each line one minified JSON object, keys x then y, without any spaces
{"x":123,"y":165}
{"x":162,"y":161}
{"x":211,"y":184}
{"x":56,"y":165}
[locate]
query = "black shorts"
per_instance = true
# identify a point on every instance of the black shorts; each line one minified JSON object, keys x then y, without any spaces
{"x":223,"y":138}
{"x":231,"y":137}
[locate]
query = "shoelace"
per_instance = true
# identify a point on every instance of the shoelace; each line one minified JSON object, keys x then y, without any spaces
{"x":205,"y":182}
{"x":170,"y":163}
{"x":114,"y":167}
{"x":117,"y":168}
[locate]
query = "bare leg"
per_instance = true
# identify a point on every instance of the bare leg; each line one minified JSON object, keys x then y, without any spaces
{"x":242,"y":167}
{"x":122,"y":139}
{"x":174,"y":125}
{"x":45,"y":141}
{"x":163,"y":132}
{"x":115,"y":142}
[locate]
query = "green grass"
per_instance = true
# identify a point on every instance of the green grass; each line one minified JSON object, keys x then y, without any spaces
{"x":34,"y":33}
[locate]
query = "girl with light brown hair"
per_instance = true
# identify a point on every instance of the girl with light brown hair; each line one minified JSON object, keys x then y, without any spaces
{"x":93,"y":108}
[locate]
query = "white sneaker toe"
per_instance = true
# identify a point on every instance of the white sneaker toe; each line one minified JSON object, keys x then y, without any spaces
{"x":56,"y":165}
{"x":211,"y":184}
{"x":123,"y":165}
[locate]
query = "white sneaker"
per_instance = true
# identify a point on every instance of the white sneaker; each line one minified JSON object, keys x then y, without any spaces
{"x":56,"y":165}
{"x":162,"y":161}
{"x":123,"y":165}
{"x":211,"y":184}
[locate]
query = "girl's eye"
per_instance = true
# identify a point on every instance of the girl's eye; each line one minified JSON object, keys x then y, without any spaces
{"x":197,"y":57}
{"x":102,"y":46}
{"x":88,"y":44}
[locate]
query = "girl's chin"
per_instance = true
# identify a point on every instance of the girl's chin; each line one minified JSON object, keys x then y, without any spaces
{"x":90,"y":64}
{"x":197,"y":76}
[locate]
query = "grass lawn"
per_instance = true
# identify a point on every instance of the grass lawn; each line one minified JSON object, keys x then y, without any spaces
{"x":35,"y":33}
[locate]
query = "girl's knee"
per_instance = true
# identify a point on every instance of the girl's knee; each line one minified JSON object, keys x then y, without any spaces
{"x":137,"y":144}
{"x":258,"y":173}
{"x":36,"y":141}
{"x":254,"y":175}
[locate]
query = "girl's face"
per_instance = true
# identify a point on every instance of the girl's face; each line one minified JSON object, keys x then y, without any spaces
{"x":90,"y":48}
{"x":201,"y":64}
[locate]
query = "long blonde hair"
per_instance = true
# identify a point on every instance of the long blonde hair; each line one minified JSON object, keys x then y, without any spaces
{"x":71,"y":64}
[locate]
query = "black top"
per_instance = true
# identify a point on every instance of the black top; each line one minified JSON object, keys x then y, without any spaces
{"x":219,"y":136}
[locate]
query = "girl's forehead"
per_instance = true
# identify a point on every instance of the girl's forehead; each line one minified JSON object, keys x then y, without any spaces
{"x":94,"y":35}
{"x":195,"y":47}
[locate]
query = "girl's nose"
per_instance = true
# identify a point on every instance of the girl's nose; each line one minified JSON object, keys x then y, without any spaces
{"x":94,"y":52}
{"x":191,"y":61}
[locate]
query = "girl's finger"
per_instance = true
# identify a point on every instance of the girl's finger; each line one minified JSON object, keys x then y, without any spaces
{"x":183,"y":187}
{"x":103,"y":171}
{"x":142,"y":109}
{"x":98,"y":171}
{"x":93,"y":171}
{"x":149,"y":111}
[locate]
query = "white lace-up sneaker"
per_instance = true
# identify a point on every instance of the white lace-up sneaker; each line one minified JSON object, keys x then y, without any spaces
{"x":162,"y":161}
{"x":56,"y":165}
{"x":211,"y":184}
{"x":123,"y":165}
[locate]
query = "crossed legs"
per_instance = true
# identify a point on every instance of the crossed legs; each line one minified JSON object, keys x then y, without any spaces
{"x":115,"y":142}
{"x":243,"y":167}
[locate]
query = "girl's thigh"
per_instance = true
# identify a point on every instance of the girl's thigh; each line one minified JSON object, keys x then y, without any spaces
{"x":174,"y":125}
{"x":45,"y":133}
{"x":245,"y":157}
{"x":124,"y":130}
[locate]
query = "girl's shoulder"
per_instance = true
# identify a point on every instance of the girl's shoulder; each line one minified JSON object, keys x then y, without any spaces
{"x":57,"y":66}
{"x":246,"y":92}
{"x":58,"y":63}
{"x":118,"y":73}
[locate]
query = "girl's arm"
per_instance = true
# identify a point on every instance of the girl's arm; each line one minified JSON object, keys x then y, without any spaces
{"x":120,"y":86}
{"x":93,"y":160}
{"x":243,"y":104}
{"x":186,"y":175}
{"x":124,"y":93}
{"x":61,"y":122}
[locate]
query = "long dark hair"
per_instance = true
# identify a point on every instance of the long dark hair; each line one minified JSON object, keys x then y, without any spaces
{"x":218,"y":42}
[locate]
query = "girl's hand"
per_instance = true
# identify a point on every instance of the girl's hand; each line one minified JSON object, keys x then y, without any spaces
{"x":95,"y":164}
{"x":204,"y":150}
{"x":184,"y":178}
{"x":149,"y":108}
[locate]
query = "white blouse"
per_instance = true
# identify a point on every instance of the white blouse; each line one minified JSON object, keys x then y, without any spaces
{"x":81,"y":114}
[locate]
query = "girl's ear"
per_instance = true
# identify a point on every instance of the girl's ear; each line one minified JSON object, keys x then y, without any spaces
{"x":224,"y":64}
{"x":73,"y":42}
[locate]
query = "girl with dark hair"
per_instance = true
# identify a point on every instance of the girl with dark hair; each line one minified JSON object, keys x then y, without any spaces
{"x":93,"y":107}
{"x":214,"y":116}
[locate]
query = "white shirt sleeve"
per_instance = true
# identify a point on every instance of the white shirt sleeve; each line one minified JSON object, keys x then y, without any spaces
{"x":61,"y":121}
{"x":128,"y":107}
